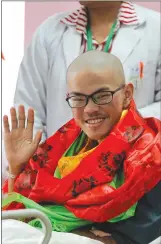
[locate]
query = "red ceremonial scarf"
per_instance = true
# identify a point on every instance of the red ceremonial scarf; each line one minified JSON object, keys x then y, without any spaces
{"x":133,"y":145}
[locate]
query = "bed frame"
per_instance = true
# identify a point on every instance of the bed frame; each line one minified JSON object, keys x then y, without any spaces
{"x":31,"y":213}
{"x":47,"y":227}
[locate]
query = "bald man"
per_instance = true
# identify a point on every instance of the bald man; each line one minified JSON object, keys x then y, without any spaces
{"x":99,"y":175}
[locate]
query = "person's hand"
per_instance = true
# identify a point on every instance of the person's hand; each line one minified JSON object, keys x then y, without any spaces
{"x":18,"y":138}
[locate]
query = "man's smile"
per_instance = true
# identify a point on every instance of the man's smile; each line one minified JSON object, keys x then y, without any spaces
{"x":95,"y":122}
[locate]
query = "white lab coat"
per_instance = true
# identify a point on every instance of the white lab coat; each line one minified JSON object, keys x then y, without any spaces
{"x":42,"y":76}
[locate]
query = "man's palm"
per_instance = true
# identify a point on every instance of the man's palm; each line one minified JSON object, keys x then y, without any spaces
{"x":19,"y":143}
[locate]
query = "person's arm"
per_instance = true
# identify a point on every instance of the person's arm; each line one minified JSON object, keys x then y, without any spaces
{"x":31,"y":89}
{"x":99,"y":235}
{"x":154,"y":109}
{"x":32,"y":166}
{"x":32,"y":78}
{"x":19,"y":143}
{"x":145,"y":226}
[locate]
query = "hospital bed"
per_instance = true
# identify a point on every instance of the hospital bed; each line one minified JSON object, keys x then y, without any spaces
{"x":31,"y":213}
{"x":157,"y":241}
{"x":47,"y":227}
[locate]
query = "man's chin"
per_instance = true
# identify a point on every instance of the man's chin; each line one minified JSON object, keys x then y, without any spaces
{"x":82,"y":2}
{"x":96,"y":3}
{"x":86,"y":3}
{"x":97,"y":136}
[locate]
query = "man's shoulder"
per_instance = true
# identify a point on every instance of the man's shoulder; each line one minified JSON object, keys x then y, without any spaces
{"x":151,"y":16}
{"x":51,"y":28}
{"x":54,"y":21}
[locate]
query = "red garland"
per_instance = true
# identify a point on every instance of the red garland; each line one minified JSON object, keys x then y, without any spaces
{"x":133,"y":143}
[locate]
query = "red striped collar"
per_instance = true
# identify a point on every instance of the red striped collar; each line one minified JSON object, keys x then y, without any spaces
{"x":127,"y":15}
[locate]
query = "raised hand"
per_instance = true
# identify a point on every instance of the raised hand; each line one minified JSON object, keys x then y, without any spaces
{"x":18,"y":138}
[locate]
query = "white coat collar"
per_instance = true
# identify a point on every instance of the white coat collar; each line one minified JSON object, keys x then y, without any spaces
{"x":125,"y":41}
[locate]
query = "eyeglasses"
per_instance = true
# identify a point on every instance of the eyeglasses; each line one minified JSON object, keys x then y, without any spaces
{"x":99,"y":97}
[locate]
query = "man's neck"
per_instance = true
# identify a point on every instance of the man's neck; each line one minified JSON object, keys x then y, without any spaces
{"x":102,"y":18}
{"x":104,"y":14}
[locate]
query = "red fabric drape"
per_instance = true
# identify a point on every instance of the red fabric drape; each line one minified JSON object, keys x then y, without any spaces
{"x":133,"y":144}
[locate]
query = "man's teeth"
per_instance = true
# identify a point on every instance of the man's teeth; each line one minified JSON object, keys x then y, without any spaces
{"x":94,"y":121}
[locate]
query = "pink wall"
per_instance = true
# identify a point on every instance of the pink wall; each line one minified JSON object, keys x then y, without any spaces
{"x":37,"y":12}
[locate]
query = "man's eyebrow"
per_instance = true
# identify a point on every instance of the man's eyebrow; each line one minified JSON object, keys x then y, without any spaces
{"x":99,"y":90}
{"x":106,"y":88}
{"x":75,"y":94}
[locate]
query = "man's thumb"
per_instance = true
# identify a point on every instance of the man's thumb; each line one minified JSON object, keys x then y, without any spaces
{"x":37,"y":138}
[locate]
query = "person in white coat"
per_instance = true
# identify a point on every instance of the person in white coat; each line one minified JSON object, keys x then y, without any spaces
{"x":129,"y":31}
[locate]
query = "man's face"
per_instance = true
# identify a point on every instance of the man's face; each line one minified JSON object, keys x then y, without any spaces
{"x":96,"y":120}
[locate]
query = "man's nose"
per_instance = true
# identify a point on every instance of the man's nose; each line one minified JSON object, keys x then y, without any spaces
{"x":91,"y":107}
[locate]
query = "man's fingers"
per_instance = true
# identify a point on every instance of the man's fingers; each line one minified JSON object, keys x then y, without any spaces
{"x":6,"y":124}
{"x":21,"y":116}
{"x":37,"y":138}
{"x":30,"y":119}
{"x":14,"y":121}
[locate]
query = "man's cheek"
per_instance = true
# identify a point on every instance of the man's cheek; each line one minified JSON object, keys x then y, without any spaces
{"x":74,"y":111}
{"x":78,"y":116}
{"x":116,"y":107}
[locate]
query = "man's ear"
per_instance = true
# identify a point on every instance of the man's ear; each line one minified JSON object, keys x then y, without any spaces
{"x":128,"y":90}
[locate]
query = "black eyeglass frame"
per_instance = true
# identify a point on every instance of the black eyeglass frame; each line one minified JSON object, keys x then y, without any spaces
{"x":91,"y":96}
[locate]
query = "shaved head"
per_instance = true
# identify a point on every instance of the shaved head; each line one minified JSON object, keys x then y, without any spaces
{"x":101,"y":75}
{"x":98,"y":62}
